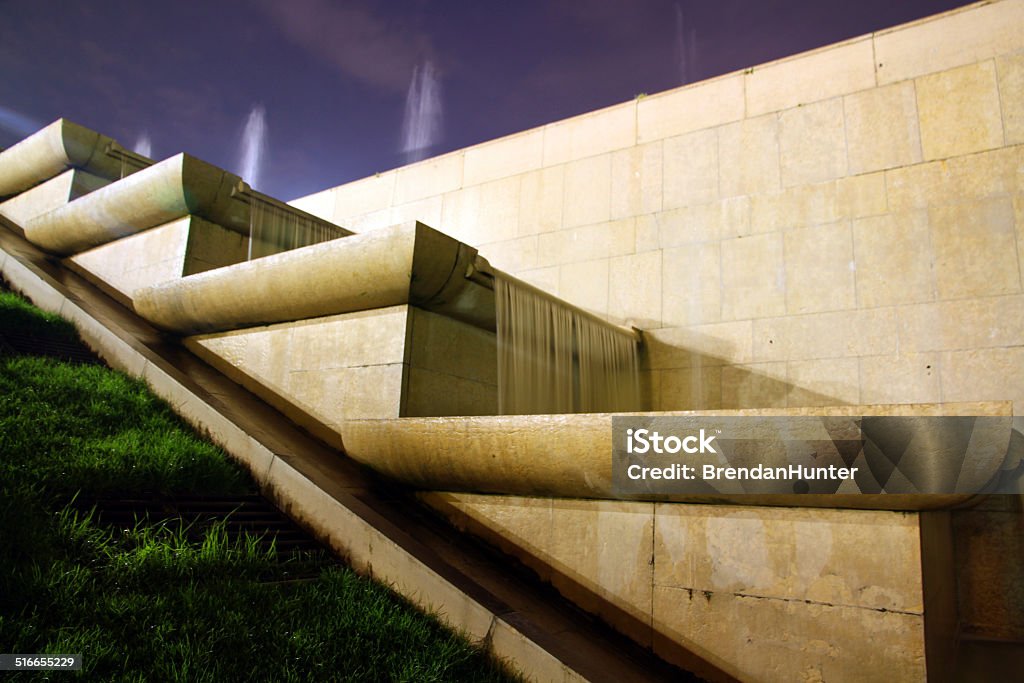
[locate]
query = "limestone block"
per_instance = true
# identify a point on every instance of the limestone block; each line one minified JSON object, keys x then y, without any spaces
{"x":368,"y":195}
{"x":715,"y":344}
{"x":211,"y":246}
{"x":703,"y":222}
{"x":650,"y":389}
{"x":905,"y":378}
{"x":338,"y":341}
{"x":505,"y":157}
{"x":992,"y":373}
{"x":963,"y":36}
{"x":541,"y":194}
{"x":690,"y":169}
{"x":691,"y":285}
{"x":647,"y":232}
{"x":755,"y":385}
{"x":546,"y":279}
{"x":586,"y":242}
{"x":794,"y":207}
{"x":694,"y":107}
{"x":882,"y":128}
{"x":1011,"y":96}
{"x":601,"y":551}
{"x":975,"y":247}
{"x":962,"y":324}
{"x":840,"y":334}
{"x":512,"y":256}
{"x":819,"y":273}
{"x":893,"y":259}
{"x":369,"y":222}
{"x":427,"y":178}
{"x":585,"y":284}
{"x":451,"y":347}
{"x":791,"y":553}
{"x":435,"y":394}
{"x":861,"y":195}
{"x":817,"y":75}
{"x":429,"y":211}
{"x":698,"y":387}
{"x":918,"y":186}
{"x":481,"y":214}
{"x":959,"y":111}
{"x":591,"y":134}
{"x":748,"y":153}
{"x":636,"y":180}
{"x":824,"y":382}
{"x":368,"y":392}
{"x":634,"y":292}
{"x":812,"y":143}
{"x":47,"y":196}
{"x":770,"y":640}
{"x":753,"y":277}
{"x":588,"y":188}
{"x":320,"y":204}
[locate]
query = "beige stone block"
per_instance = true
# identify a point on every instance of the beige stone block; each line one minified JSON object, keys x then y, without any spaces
{"x":959,"y":111}
{"x":586,"y":242}
{"x":545,"y":279}
{"x":451,"y":347}
{"x":588,"y":188}
{"x":703,"y":222}
{"x":882,"y":128}
{"x":428,"y":211}
{"x":975,"y":247}
{"x":961,"y":324}
{"x":918,"y":186}
{"x":839,"y":334}
{"x":748,"y":154}
{"x":690,"y":169}
{"x":339,"y":341}
{"x":753,"y":277}
{"x":512,"y":256}
{"x":647,"y":233}
{"x":694,"y":107}
{"x":636,"y":181}
{"x":812,"y":143}
{"x":691,"y":285}
{"x":963,"y":36}
{"x":812,"y":76}
{"x":794,"y":207}
{"x":50,"y":195}
{"x":1011,"y":96}
{"x":590,"y":134}
{"x":368,"y":392}
{"x":861,"y":195}
{"x":585,"y":285}
{"x":373,"y":193}
{"x":483,"y":213}
{"x":319,"y":204}
{"x":650,"y":389}
{"x":984,"y":175}
{"x":601,"y":551}
{"x":768,"y":640}
{"x":428,"y":178}
{"x":906,"y":378}
{"x":504,"y":157}
{"x":893,"y":259}
{"x":992,"y":373}
{"x":368,"y":222}
{"x":434,"y":394}
{"x":822,"y":555}
{"x":634,"y":292}
{"x":827,"y":382}
{"x":757,"y":385}
{"x":716,"y":344}
{"x":698,"y":387}
{"x":1018,"y":211}
{"x":541,"y":194}
{"x":819,"y":269}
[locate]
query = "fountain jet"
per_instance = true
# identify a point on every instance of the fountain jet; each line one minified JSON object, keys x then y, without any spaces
{"x":254,"y":145}
{"x":143,"y":145}
{"x":421,"y":128}
{"x":685,"y":48}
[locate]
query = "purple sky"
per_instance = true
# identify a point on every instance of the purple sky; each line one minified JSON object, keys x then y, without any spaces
{"x":333,"y":76}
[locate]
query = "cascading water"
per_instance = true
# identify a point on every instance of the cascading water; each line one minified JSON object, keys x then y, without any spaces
{"x":273,"y":228}
{"x":421,"y":128}
{"x":553,"y":359}
{"x":254,"y":144}
{"x":143,"y":145}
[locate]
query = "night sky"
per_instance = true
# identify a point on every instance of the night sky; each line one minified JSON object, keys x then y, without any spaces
{"x":333,"y":77}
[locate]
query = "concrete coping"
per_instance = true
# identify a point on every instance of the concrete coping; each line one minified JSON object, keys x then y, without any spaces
{"x":570,"y":456}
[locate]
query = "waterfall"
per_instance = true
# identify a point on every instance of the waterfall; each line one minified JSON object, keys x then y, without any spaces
{"x":554,"y":359}
{"x":274,"y":228}
{"x":421,"y":128}
{"x":254,"y":144}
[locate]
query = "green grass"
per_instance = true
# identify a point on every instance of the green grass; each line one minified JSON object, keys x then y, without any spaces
{"x":146,"y":603}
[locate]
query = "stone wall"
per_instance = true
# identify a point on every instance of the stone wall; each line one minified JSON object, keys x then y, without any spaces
{"x":842,"y":226}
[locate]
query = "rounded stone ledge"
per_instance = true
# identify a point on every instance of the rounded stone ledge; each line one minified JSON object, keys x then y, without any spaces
{"x":569,"y":456}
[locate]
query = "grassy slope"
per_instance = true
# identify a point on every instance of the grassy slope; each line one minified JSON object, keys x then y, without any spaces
{"x":143,"y":603}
